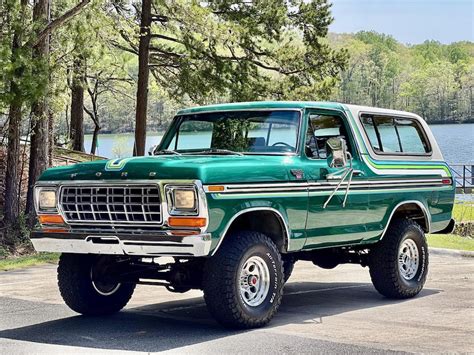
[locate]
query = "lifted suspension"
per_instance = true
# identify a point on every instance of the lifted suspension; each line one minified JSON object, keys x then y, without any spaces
{"x":180,"y":276}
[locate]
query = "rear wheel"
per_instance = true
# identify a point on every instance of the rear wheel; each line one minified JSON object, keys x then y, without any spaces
{"x":243,"y":281}
{"x":85,"y":289}
{"x":399,"y":263}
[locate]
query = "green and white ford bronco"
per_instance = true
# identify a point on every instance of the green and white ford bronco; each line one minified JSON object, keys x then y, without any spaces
{"x":235,"y":194}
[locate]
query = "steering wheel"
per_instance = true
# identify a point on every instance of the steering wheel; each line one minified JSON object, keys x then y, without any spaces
{"x":283,"y":143}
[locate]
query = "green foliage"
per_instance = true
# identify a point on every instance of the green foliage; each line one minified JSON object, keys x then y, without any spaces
{"x":15,"y":237}
{"x":432,"y":79}
{"x":379,"y":40}
{"x":228,"y":51}
{"x":16,"y":62}
{"x":3,"y":252}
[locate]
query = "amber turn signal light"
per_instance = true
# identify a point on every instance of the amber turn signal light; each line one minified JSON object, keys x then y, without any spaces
{"x":187,"y":222}
{"x":215,"y":188}
{"x":50,"y":219}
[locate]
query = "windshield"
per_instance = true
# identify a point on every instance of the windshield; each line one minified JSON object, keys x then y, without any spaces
{"x":247,"y":132}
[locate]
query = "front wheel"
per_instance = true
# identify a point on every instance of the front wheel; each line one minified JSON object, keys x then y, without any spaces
{"x":399,"y":263}
{"x":243,"y":281}
{"x":85,"y":289}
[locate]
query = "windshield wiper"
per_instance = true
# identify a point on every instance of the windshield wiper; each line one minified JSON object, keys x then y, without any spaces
{"x":216,"y":151}
{"x":166,"y":151}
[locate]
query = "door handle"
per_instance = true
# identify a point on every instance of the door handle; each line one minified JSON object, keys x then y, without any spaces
{"x":358,"y":173}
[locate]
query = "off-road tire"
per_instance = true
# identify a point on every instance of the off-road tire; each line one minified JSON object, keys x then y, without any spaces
{"x":77,"y":290}
{"x":221,"y":281}
{"x":383,"y":261}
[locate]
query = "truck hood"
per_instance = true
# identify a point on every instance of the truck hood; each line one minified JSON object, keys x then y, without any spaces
{"x":209,"y":169}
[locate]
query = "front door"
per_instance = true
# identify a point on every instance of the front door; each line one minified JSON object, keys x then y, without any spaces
{"x":335,"y":223}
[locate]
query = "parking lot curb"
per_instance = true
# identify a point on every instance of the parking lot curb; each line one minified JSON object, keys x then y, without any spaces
{"x":452,"y":252}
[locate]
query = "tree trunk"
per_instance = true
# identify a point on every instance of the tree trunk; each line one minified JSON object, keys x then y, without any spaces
{"x":94,"y":113}
{"x":39,"y":143}
{"x":143,"y":73}
{"x":77,"y":106}
{"x":95,"y":137}
{"x":50,"y":137}
{"x":11,"y":206}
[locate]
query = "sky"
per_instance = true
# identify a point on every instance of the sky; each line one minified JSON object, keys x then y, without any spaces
{"x":409,"y":21}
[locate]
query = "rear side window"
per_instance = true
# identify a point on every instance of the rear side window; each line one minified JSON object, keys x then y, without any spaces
{"x":395,"y":135}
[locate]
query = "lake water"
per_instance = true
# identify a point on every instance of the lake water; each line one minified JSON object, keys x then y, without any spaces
{"x":455,"y":140}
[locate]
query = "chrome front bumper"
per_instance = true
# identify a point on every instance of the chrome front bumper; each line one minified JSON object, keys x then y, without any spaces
{"x":147,"y":245}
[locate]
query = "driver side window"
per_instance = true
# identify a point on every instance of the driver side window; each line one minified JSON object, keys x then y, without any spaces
{"x":320,"y":129}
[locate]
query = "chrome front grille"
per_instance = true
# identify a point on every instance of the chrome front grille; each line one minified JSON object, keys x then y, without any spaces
{"x":114,"y":205}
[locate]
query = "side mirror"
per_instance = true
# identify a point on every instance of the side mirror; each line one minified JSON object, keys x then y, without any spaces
{"x":337,"y":152}
{"x":151,"y":151}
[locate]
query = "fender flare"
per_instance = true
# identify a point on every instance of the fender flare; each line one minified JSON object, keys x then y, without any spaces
{"x":279,"y":215}
{"x":423,"y":208}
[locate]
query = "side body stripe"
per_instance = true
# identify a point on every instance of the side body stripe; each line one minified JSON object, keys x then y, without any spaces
{"x":313,"y":188}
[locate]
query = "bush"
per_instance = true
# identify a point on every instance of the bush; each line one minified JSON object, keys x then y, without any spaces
{"x":3,"y":252}
{"x":15,"y":238}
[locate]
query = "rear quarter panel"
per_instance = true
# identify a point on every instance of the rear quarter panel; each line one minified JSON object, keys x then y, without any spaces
{"x":437,"y":197}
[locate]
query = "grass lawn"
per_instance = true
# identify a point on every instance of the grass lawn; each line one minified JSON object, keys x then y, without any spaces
{"x":450,"y":241}
{"x":463,"y":212}
{"x":28,"y":260}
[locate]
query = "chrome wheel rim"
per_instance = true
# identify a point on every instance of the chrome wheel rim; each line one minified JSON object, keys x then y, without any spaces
{"x":254,"y":281}
{"x":408,"y":259}
{"x":103,"y":288}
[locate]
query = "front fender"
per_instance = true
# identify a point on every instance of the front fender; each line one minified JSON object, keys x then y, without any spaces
{"x":224,"y":210}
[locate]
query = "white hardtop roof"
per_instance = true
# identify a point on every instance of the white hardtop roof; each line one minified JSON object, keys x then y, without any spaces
{"x":360,"y":108}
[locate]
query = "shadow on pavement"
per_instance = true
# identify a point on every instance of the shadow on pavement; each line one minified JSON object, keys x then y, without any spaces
{"x":171,"y":325}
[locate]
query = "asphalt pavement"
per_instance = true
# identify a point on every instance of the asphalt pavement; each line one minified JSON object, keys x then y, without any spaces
{"x":323,"y":311}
